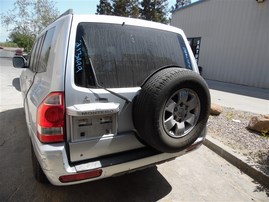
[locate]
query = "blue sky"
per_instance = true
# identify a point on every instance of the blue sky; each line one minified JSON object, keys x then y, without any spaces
{"x":78,"y":6}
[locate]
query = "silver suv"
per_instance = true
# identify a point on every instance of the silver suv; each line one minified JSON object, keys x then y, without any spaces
{"x":108,"y":95}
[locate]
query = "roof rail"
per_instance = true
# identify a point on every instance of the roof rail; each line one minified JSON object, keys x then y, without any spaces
{"x":69,"y":11}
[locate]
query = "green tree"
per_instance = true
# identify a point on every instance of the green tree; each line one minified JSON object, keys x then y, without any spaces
{"x":181,"y":3}
{"x":154,"y":10}
{"x":27,"y":19}
{"x":23,"y":40}
{"x":104,"y":8}
{"x":126,"y":8}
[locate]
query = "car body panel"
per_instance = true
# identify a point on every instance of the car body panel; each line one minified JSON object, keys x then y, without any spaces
{"x":54,"y":161}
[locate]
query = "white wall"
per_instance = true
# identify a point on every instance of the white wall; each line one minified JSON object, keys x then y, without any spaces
{"x":235,"y":39}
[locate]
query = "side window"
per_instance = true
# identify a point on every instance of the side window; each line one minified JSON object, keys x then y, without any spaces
{"x":34,"y":60}
{"x":40,"y":52}
{"x":32,"y":57}
{"x":45,"y":51}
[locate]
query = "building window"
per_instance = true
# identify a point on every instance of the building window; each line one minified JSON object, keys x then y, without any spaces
{"x":195,"y":44}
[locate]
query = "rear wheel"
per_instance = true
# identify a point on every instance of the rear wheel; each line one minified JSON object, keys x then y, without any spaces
{"x":37,"y":170}
{"x":172,"y":109}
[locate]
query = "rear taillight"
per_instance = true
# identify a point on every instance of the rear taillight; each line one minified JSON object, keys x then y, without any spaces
{"x":51,"y":118}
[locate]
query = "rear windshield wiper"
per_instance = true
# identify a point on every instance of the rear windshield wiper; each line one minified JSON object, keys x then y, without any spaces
{"x":98,"y":85}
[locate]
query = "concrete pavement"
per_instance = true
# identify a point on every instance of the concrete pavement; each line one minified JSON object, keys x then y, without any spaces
{"x":242,"y":98}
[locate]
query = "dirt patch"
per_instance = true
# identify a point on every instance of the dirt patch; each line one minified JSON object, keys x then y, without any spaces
{"x":230,"y":127}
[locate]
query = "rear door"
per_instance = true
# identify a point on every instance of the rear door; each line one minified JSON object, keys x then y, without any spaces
{"x":28,"y":74}
{"x":27,"y":78}
{"x":107,"y":64}
{"x":99,"y":120}
{"x":36,"y":84}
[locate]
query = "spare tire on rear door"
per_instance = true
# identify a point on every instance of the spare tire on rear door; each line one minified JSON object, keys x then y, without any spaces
{"x":172,"y":109}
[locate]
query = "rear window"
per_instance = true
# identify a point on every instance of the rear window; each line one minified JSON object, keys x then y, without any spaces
{"x":122,"y":55}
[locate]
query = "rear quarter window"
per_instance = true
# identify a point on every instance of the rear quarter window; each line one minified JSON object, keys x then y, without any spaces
{"x":45,"y":51}
{"x":41,"y":51}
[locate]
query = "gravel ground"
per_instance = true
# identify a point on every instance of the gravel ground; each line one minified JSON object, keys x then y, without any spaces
{"x":230,"y":128}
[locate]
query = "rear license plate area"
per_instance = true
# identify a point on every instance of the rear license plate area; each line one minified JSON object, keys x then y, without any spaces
{"x":92,"y":121}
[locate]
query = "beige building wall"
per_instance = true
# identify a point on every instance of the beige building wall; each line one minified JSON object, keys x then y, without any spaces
{"x":234,"y":39}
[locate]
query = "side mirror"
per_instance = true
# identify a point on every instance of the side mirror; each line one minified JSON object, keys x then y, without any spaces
{"x":19,"y":62}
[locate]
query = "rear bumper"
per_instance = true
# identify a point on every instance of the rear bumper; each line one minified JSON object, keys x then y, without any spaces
{"x":54,"y":162}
